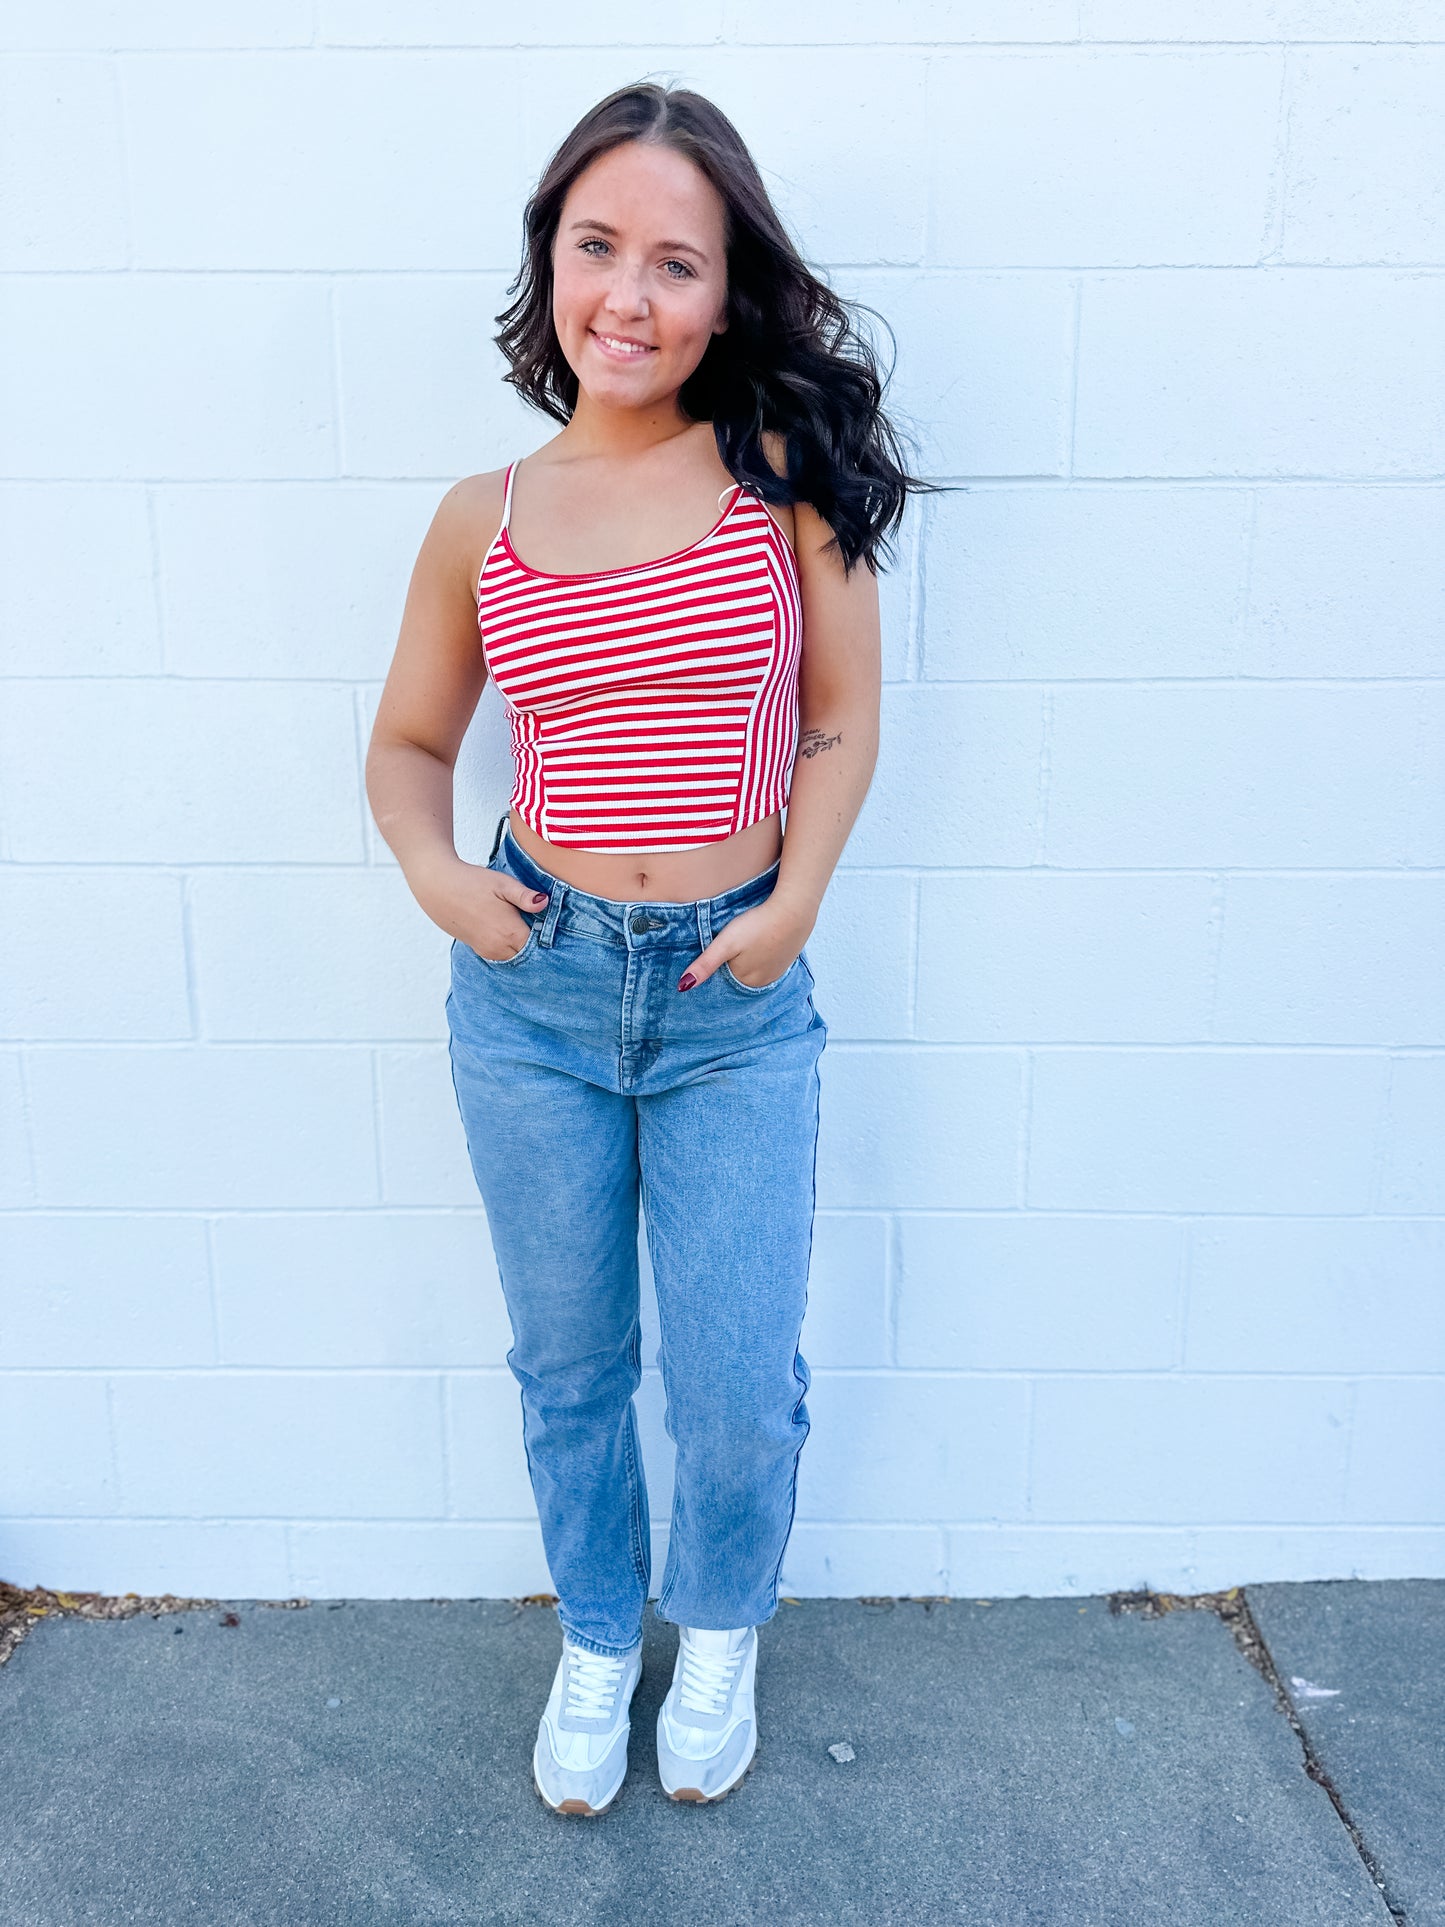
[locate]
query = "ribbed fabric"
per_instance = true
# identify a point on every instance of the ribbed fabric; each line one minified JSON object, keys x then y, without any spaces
{"x":656,"y":707}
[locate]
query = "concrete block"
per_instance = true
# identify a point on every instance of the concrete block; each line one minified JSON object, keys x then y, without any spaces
{"x":1038,"y":1293}
{"x":984,"y":369}
{"x":1332,"y":960}
{"x":363,"y":1289}
{"x":1412,"y":1164}
{"x":423,"y":1145}
{"x":17,"y":1165}
{"x":1295,"y":1295}
{"x":282,"y":1445}
{"x":847,"y":1316}
{"x":1248,"y":776}
{"x":314,"y":577}
{"x":171,"y":772}
{"x":861,"y":952}
{"x":442,"y":414}
{"x":88,"y":24}
{"x":1180,"y":154}
{"x":920,"y":1129}
{"x":1366,"y":179}
{"x":101,"y":1289}
{"x":833,"y":1561}
{"x":92,"y":953}
{"x":800,"y":109}
{"x":58,"y":1457}
{"x":1085,"y":581}
{"x":1277,"y":1132}
{"x":1259,"y":20}
{"x":929,"y":22}
{"x":1346,"y":582}
{"x":362,"y":131}
{"x":194,"y":1558}
{"x":1020,"y":1560}
{"x":1252,"y":371}
{"x":1251,"y":1450}
{"x":397,"y":1559}
{"x":1397,"y":1449}
{"x":202,"y":1128}
{"x":915,"y":1448}
{"x":46,"y":628}
{"x":1068,"y":959}
{"x":486,"y":1454}
{"x":351,"y":955}
{"x":459,"y":23}
{"x":957,"y":779}
{"x":61,"y":149}
{"x":173,"y":376}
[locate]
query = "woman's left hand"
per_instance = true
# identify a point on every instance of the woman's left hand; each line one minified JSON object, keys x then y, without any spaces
{"x":759,"y":945}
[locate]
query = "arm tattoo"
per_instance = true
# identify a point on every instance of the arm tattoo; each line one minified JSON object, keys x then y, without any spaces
{"x":814,"y":740}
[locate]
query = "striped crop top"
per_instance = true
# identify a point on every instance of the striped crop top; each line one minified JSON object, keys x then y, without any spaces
{"x":654,"y":707}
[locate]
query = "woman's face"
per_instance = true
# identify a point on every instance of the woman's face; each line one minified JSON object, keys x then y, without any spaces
{"x":639,"y":274}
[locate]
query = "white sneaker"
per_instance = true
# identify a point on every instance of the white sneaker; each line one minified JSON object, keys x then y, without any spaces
{"x":580,"y":1759}
{"x":707,"y":1730}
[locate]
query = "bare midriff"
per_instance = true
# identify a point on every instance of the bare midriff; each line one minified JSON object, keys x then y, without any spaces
{"x":658,"y":876}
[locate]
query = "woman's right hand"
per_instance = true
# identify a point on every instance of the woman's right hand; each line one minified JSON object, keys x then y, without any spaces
{"x":474,"y":904}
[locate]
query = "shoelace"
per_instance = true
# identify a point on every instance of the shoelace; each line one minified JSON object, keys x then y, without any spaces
{"x":592,"y":1681}
{"x":706,"y":1678}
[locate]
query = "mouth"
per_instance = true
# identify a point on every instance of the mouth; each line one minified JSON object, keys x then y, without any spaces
{"x":620,"y":347}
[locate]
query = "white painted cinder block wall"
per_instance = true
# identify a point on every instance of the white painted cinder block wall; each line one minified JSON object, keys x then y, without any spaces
{"x":1128,"y":1262}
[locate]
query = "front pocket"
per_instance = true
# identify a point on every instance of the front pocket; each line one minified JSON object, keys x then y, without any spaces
{"x":510,"y":963}
{"x":758,"y":990}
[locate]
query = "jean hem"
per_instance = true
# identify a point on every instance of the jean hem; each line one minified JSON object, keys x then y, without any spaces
{"x":600,"y":1646}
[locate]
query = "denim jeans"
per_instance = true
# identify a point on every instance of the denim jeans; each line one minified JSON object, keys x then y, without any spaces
{"x":589,"y":1084}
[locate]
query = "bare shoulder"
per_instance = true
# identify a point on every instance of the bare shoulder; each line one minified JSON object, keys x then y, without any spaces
{"x":467,"y":519}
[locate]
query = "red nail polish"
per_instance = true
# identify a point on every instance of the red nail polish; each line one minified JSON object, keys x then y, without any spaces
{"x":687,"y":981}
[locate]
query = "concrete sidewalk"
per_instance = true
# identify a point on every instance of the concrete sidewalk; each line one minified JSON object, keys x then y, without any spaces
{"x":367,"y":1764}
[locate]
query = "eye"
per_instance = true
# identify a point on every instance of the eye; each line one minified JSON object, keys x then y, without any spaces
{"x":686,"y":274}
{"x":592,"y":241}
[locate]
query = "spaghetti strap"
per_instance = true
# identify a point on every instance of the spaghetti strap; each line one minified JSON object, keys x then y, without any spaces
{"x":496,"y":540}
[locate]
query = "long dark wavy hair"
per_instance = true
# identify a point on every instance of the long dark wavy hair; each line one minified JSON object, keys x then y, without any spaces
{"x":791,"y":360}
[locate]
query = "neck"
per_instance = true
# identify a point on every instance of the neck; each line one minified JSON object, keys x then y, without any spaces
{"x":595,"y":430}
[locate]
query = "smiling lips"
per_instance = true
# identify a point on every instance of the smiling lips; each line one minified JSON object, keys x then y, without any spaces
{"x":620,"y":346}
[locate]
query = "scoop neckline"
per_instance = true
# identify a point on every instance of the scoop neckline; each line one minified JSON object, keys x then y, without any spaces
{"x":631,"y":568}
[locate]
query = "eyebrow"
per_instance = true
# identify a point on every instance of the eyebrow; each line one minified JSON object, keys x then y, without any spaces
{"x":672,"y":247}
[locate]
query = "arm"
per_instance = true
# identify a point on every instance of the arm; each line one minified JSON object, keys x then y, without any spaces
{"x":432,"y":689}
{"x":839,"y":692}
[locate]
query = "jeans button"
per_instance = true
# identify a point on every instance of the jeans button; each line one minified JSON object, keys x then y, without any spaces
{"x":639,"y":924}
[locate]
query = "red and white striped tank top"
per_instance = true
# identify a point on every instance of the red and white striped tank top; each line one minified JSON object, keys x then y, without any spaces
{"x":656,"y":707}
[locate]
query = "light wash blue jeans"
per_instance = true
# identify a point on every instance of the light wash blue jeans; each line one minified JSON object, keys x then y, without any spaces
{"x":588,"y":1082}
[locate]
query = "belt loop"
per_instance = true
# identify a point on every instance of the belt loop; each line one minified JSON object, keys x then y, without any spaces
{"x":704,"y":922}
{"x":548,"y":932}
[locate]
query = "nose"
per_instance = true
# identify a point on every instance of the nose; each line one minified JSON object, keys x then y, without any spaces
{"x":625,"y":297}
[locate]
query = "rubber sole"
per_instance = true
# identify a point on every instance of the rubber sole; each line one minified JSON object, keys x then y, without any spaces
{"x":696,"y":1797}
{"x":578,"y":1808}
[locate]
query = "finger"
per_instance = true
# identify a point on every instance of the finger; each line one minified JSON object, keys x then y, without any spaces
{"x":699,"y":970}
{"x":520,"y":893}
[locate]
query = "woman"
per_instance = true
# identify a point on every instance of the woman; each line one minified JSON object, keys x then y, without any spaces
{"x":670,"y":598}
